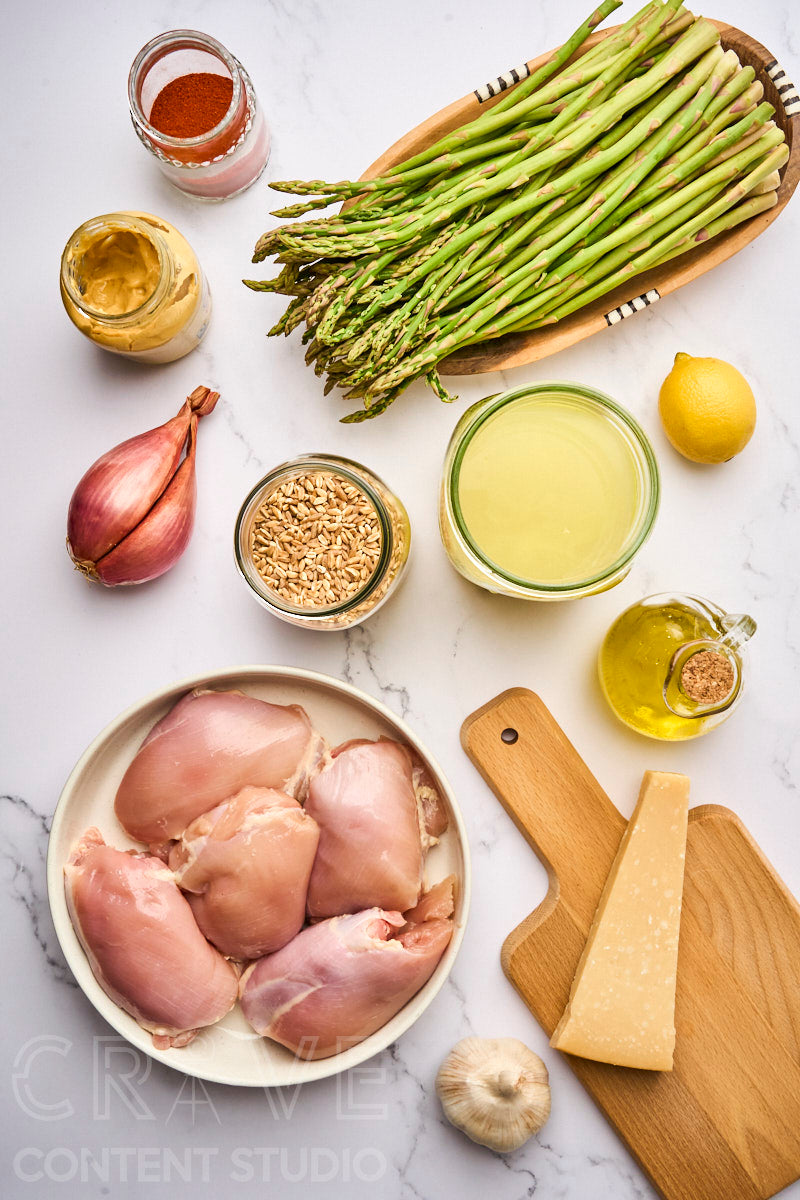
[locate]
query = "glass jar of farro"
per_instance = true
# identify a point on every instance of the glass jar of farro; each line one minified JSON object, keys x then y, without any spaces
{"x":322,"y":542}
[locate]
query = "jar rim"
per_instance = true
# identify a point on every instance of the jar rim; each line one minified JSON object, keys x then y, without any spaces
{"x":306,"y":463}
{"x":127,"y":221}
{"x":161,"y":46}
{"x":646,"y":463}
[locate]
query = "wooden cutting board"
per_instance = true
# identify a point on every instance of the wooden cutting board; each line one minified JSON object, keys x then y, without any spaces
{"x":725,"y":1123}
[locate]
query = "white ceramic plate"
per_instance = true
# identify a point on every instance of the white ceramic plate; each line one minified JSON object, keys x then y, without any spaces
{"x":230,"y":1052}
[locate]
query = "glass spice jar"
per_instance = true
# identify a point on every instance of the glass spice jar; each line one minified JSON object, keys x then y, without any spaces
{"x":132,"y":284}
{"x":322,"y":542}
{"x":219,"y":161}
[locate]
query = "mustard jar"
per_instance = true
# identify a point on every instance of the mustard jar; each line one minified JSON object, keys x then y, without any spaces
{"x":672,"y":666}
{"x":131,"y":283}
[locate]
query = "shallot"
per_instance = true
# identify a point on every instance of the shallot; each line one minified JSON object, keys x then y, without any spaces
{"x":131,"y":516}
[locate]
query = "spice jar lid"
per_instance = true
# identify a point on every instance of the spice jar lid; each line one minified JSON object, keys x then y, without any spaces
{"x":321,"y":541}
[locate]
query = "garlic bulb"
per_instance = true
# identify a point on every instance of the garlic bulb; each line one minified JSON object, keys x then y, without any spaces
{"x":131,"y":516}
{"x":495,"y":1090}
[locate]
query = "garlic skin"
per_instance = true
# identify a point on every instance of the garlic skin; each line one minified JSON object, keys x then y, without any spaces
{"x":131,"y":516}
{"x":495,"y":1090}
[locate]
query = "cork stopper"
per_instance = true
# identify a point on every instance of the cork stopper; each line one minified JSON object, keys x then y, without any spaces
{"x":707,"y":677}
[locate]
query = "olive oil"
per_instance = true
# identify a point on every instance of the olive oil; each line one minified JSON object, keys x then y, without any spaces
{"x":550,"y":489}
{"x":637,"y":663}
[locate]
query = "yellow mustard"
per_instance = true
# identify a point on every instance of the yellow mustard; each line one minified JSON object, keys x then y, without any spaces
{"x":132,"y":284}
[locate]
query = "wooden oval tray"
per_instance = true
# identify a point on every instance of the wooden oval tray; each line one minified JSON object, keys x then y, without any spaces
{"x":516,"y":349}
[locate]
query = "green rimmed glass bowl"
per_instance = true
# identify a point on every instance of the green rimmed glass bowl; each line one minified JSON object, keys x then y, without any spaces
{"x":548,"y":492}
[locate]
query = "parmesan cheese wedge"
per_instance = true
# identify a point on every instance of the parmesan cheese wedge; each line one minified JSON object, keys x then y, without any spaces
{"x":621,"y":1008}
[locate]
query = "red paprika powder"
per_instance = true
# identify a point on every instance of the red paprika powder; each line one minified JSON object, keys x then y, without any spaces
{"x":191,"y":104}
{"x":204,"y":126}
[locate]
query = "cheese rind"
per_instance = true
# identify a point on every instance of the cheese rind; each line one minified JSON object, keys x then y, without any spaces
{"x":621,"y":1008}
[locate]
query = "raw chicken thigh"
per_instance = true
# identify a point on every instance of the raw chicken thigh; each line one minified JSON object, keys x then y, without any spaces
{"x":437,"y":902}
{"x":339,"y":981}
{"x":371,"y":804}
{"x":205,"y":750}
{"x":246,"y":866}
{"x":143,"y":944}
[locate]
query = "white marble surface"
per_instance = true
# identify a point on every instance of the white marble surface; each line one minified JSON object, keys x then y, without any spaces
{"x":339,"y":82}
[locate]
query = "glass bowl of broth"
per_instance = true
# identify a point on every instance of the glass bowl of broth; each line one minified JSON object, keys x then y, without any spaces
{"x":548,"y":492}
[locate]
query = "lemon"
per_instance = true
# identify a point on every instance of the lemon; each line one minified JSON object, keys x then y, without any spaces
{"x":707,"y":409}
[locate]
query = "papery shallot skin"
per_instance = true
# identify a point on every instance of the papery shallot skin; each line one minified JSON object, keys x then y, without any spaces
{"x":366,"y":804}
{"x":143,"y":944}
{"x":245,"y":867}
{"x":207,"y":748}
{"x":338,"y":981}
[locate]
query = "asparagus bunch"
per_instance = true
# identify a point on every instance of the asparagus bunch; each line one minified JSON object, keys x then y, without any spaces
{"x":598,"y":166}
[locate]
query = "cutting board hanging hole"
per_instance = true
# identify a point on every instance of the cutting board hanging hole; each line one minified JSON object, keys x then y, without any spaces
{"x":509,"y":736}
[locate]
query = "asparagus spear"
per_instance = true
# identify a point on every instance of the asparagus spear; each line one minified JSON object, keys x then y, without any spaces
{"x":661,"y":220}
{"x":605,"y":162}
{"x":699,"y":37}
{"x":565,"y":52}
{"x":655,"y":254}
{"x":528,"y":263}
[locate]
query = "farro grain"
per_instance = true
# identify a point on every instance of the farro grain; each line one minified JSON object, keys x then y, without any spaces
{"x":316,"y":540}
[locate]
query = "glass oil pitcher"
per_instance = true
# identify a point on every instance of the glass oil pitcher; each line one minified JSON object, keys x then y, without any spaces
{"x":671,"y":667}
